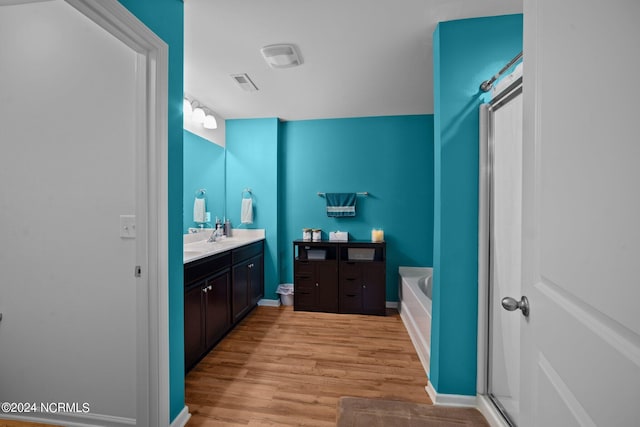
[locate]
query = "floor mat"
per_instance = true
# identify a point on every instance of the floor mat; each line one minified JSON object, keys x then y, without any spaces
{"x":359,"y":412}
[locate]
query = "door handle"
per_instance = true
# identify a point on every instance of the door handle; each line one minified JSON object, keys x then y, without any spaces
{"x":510,"y":304}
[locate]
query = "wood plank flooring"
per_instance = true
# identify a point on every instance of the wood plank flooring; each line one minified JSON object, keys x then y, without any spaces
{"x":281,"y":367}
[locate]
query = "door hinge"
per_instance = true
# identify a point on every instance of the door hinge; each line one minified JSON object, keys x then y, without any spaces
{"x":138,"y":271}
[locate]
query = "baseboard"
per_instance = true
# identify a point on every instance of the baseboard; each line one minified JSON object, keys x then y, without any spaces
{"x":182,"y":418}
{"x":74,"y":420}
{"x":450,"y":399}
{"x":269,"y":302}
{"x":392,"y":304}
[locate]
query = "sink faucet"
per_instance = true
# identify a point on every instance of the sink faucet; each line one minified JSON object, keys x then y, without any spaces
{"x":217,"y":233}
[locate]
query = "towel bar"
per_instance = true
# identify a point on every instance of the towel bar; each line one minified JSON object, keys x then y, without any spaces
{"x":362,"y":193}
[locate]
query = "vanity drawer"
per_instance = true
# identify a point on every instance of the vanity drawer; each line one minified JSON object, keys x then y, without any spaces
{"x":201,"y":268}
{"x":246,"y":252}
{"x":303,"y":268}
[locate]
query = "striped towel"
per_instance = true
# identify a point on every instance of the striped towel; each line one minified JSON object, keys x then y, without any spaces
{"x":341,"y":204}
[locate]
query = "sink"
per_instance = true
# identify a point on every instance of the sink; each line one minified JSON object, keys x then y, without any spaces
{"x":226,"y":241}
{"x":203,"y":247}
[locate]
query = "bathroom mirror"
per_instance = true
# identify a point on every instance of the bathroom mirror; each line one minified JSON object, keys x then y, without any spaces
{"x":204,"y":168}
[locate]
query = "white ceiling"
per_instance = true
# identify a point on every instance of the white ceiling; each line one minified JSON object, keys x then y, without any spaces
{"x":360,"y":57}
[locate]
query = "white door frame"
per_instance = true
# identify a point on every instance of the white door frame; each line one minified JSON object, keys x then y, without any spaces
{"x":152,"y":344}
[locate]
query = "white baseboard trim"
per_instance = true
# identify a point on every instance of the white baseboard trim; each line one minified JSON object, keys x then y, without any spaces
{"x":269,"y":302}
{"x":74,"y":420}
{"x":489,"y":411}
{"x":392,"y":304}
{"x":182,"y":418}
{"x":450,"y":399}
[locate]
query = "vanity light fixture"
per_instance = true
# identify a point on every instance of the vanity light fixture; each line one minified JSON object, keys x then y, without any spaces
{"x":199,"y":113}
{"x":210,"y":122}
{"x":187,"y":108}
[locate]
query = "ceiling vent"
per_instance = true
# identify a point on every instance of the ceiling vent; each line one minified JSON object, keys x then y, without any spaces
{"x":244,"y":82}
{"x":281,"y":55}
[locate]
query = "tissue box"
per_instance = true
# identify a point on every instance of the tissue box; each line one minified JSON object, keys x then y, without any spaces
{"x":341,"y":236}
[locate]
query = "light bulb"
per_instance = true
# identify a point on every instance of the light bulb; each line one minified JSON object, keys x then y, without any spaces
{"x":210,"y":122}
{"x":198,"y":115}
{"x":187,"y":108}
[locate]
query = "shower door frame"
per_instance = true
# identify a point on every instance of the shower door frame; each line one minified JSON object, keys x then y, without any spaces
{"x":487,"y":403}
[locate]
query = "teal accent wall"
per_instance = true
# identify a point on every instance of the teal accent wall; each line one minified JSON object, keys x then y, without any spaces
{"x":252,"y":162}
{"x":465,"y":53}
{"x":286,"y":164}
{"x":203,"y":168}
{"x":389,"y":157}
{"x":166,"y":19}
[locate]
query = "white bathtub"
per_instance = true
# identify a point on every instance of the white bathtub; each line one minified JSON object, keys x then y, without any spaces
{"x":414,"y":290}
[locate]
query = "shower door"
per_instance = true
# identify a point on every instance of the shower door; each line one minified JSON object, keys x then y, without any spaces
{"x":505,"y":219}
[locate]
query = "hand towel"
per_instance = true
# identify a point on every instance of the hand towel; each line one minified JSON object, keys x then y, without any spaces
{"x":246,"y":211}
{"x":341,"y":204}
{"x":199,"y":211}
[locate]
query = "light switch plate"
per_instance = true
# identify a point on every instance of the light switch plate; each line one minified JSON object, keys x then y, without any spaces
{"x":128,"y":226}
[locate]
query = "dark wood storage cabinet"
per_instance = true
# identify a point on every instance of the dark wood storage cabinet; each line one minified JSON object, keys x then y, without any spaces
{"x":340,"y":277}
{"x":219,"y":291}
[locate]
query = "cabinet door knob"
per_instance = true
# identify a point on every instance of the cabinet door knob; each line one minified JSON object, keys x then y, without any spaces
{"x":210,"y":287}
{"x":204,"y":290}
{"x":316,"y":284}
{"x":364,"y":286}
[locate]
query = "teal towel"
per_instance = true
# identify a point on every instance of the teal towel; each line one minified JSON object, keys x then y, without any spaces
{"x":341,"y":204}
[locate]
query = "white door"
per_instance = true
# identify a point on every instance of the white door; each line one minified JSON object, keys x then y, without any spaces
{"x":505,"y":157}
{"x":581,"y":214}
{"x":76,"y":104}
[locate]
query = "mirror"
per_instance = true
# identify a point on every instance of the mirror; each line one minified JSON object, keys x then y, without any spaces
{"x":204,"y":168}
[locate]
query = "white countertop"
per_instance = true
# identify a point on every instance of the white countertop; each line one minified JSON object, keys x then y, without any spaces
{"x":197,"y":247}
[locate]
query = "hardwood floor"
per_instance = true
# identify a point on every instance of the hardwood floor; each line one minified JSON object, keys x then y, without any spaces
{"x":281,"y":367}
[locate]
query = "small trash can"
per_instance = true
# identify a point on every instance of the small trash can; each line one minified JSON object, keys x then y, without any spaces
{"x":286,"y":293}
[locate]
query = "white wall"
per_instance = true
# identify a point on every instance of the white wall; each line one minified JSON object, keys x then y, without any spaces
{"x":67,"y":130}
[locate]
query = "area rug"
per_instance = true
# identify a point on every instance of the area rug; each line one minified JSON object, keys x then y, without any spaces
{"x":359,"y":412}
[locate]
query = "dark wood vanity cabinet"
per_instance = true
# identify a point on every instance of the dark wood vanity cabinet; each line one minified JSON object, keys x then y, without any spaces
{"x":340,"y":277}
{"x":206,"y":305}
{"x":206,"y":316}
{"x":248,"y":279}
{"x":219,"y":291}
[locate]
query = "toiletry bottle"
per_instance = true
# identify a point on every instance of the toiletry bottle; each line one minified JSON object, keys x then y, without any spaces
{"x":227,"y":227}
